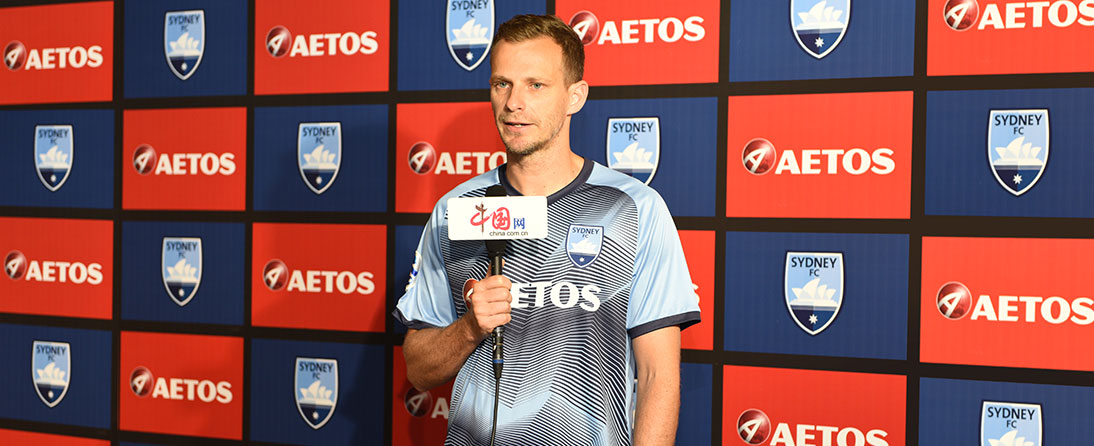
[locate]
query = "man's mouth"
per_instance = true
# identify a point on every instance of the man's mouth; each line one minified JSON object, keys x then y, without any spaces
{"x":516,"y":124}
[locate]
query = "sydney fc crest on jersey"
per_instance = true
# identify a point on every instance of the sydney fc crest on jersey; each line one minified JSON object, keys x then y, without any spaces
{"x":53,"y":150}
{"x":184,"y":41}
{"x":634,"y":146}
{"x":819,"y":25}
{"x":316,"y":389}
{"x":1010,"y":424}
{"x":813,"y":288}
{"x":181,"y":267}
{"x":469,"y":28}
{"x":51,"y":367}
{"x":1018,"y":147}
{"x":583,"y":244}
{"x":319,"y":153}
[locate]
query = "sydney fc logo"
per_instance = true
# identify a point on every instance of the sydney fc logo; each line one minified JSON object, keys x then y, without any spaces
{"x":634,"y":146}
{"x":53,"y":150}
{"x":319,"y":153}
{"x":819,"y":26}
{"x":1010,"y":424}
{"x":813,"y":288}
{"x":51,"y":368}
{"x":316,"y":389}
{"x":184,"y":41}
{"x":583,"y":244}
{"x":469,"y":29}
{"x":1018,"y":147}
{"x":181,"y":267}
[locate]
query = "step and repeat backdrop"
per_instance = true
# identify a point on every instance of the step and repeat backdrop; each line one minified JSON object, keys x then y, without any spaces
{"x":210,"y":207}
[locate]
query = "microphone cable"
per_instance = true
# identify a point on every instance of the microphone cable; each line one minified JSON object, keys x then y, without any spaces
{"x":496,"y":249}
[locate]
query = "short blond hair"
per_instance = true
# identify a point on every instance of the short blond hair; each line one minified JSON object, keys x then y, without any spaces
{"x":529,"y":26}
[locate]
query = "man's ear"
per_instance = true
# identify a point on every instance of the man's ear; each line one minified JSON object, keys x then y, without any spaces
{"x":578,"y":94}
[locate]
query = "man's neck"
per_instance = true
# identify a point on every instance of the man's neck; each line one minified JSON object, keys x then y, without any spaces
{"x":544,"y":172}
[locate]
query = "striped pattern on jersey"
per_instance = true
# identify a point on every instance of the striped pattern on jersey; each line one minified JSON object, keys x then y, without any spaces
{"x":565,"y":367}
{"x":569,"y":370}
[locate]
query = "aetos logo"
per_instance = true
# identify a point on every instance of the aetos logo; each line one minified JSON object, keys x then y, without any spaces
{"x":586,"y":26}
{"x":955,"y":300}
{"x":648,"y":30}
{"x":142,"y":382}
{"x":560,"y":294}
{"x":146,"y":161}
{"x":276,"y":275}
{"x":421,"y":403}
{"x":17,"y":267}
{"x":279,"y":41}
{"x":961,"y":14}
{"x":424,"y":159}
{"x":754,"y":427}
{"x":759,"y":155}
{"x":17,"y":56}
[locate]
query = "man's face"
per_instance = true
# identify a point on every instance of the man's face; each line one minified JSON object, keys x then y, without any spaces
{"x":529,"y":93}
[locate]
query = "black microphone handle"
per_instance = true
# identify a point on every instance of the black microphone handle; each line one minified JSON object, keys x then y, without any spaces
{"x":495,"y":270}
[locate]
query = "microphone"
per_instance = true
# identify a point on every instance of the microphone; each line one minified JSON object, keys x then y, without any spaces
{"x":497,"y":218}
{"x":496,"y":249}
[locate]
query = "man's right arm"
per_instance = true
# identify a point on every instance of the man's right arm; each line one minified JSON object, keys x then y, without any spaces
{"x":435,"y":355}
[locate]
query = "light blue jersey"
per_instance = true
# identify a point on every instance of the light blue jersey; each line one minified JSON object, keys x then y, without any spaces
{"x":611,"y":269}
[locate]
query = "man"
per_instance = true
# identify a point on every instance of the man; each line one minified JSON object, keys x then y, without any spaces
{"x":580,"y":332}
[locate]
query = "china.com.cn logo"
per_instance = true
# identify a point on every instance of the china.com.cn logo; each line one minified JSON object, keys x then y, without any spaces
{"x":499,"y":219}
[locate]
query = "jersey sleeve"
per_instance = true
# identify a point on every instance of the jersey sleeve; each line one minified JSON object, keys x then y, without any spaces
{"x":427,"y":301}
{"x":662,"y":294}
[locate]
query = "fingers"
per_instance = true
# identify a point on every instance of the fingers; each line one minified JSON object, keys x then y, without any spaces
{"x":488,"y":302}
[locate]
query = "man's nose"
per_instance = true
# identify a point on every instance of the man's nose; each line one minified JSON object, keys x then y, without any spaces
{"x":515,"y":101}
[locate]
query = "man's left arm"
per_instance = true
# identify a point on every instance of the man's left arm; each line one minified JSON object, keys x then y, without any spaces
{"x":657,"y":359}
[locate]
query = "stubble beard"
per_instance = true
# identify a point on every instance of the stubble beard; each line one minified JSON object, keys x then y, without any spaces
{"x":533,"y":147}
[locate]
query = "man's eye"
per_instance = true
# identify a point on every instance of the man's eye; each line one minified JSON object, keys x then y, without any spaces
{"x":501,"y":84}
{"x":537,"y":85}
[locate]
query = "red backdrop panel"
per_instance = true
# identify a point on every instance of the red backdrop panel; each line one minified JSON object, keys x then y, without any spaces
{"x":60,"y":258}
{"x":59,"y":47}
{"x":1021,"y":280}
{"x":806,"y":126}
{"x":177,"y":180}
{"x":177,"y":359}
{"x":321,"y":286}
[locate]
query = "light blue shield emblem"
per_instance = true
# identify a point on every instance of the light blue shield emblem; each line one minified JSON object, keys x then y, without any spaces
{"x":181,"y":267}
{"x":184,"y":41}
{"x":316,"y":389}
{"x":319,"y":153}
{"x":583,"y":244}
{"x":51,"y":369}
{"x":469,"y":29}
{"x":813,"y":288}
{"x":1018,"y":147}
{"x":1010,"y":424}
{"x":634,"y":146}
{"x":819,"y":25}
{"x":53,"y":150}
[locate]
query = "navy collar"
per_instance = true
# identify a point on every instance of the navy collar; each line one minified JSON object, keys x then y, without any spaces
{"x":582,"y":177}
